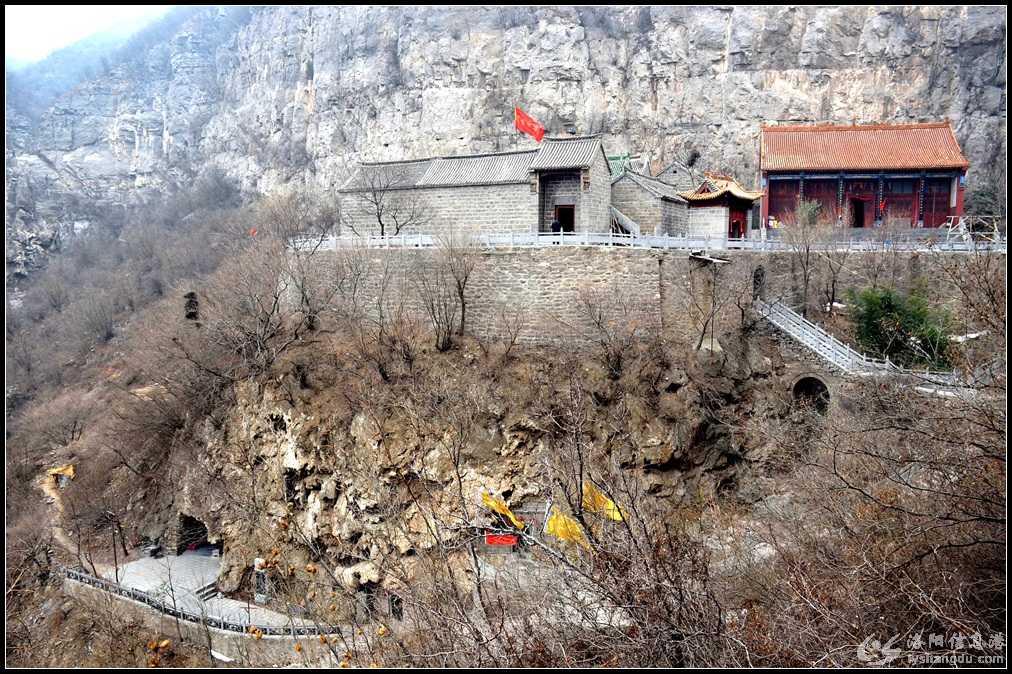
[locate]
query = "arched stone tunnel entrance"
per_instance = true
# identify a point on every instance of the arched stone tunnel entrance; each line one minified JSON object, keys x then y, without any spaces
{"x":811,"y":390}
{"x":189,"y":534}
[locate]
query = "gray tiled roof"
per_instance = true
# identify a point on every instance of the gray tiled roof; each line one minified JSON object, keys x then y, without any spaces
{"x":487,"y":169}
{"x":656,"y":187}
{"x":567,"y":153}
{"x":679,"y":175}
{"x":497,"y":168}
{"x":387,"y":175}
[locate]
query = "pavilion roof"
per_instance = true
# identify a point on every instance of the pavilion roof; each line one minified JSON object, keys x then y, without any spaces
{"x":715,"y":185}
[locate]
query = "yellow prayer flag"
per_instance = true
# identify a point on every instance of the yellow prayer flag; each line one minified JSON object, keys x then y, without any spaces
{"x":566,"y":528}
{"x":498,"y":505}
{"x":596,"y":502}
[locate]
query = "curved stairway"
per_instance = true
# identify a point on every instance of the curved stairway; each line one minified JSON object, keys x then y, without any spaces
{"x":840,"y":356}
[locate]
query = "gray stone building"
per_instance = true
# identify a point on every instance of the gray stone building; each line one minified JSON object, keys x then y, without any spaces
{"x":679,"y":175}
{"x":654,"y":205}
{"x":521,"y":191}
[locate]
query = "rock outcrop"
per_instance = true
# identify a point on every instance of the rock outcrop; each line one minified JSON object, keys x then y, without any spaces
{"x":297,"y":93}
{"x":329,"y":474}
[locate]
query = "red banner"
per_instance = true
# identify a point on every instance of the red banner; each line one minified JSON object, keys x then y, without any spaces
{"x":527,"y":124}
{"x":500,"y":539}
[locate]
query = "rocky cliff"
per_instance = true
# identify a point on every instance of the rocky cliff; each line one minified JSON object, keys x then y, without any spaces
{"x":356,"y":472}
{"x":274,"y":95}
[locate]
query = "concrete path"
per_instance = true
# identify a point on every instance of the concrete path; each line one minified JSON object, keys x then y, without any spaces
{"x":179,"y":579}
{"x":187,"y":572}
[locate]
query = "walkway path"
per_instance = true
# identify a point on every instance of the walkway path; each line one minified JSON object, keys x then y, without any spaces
{"x":52,"y":493}
{"x":186,"y":582}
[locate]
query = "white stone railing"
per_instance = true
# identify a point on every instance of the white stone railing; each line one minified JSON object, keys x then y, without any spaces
{"x":173,"y":611}
{"x":612,"y":239}
{"x":841,"y":355}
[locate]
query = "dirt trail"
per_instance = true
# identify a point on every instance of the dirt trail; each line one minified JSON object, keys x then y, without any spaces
{"x":53,"y":496}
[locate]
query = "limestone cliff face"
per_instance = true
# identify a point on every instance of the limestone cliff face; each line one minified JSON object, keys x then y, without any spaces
{"x":296,"y":94}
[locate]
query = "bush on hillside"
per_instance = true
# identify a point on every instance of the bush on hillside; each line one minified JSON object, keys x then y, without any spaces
{"x":900,"y":327}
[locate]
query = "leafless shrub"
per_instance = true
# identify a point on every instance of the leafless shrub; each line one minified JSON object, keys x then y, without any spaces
{"x":382,"y":328}
{"x":437,"y":291}
{"x":613,"y":325}
{"x":95,"y":316}
{"x":510,"y":321}
{"x":380,"y":197}
{"x":460,"y":255}
{"x":803,"y":229}
{"x":304,"y":213}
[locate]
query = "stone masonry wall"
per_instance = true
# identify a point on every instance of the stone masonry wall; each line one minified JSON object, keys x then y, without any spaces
{"x":491,"y":209}
{"x":597,"y":199}
{"x":674,"y":218}
{"x":658,"y":289}
{"x":638,"y":204}
{"x":548,"y":286}
{"x":708,"y":221}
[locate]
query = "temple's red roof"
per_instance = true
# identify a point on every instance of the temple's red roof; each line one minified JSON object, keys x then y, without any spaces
{"x":860,"y":147}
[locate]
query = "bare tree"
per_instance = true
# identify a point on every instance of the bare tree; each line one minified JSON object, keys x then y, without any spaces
{"x":509,"y":324}
{"x":379,"y":192}
{"x":835,"y":253}
{"x":437,"y":289}
{"x":461,"y":256}
{"x":291,"y":212}
{"x":717,"y":285}
{"x":802,"y":232}
{"x":613,"y":325}
{"x":382,"y":328}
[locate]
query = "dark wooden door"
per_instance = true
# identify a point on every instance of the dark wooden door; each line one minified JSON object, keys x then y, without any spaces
{"x":566,"y":215}
{"x":736,"y":222}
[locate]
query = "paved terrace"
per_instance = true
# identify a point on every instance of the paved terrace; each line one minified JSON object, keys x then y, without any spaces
{"x":177,"y":584}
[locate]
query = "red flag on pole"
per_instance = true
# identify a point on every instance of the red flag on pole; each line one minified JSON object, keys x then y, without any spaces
{"x":527,"y":124}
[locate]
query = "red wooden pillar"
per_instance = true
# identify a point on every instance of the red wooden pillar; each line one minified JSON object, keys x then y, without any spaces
{"x":918,"y":197}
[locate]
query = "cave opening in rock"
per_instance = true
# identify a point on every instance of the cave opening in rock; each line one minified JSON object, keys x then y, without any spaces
{"x":193,"y":537}
{"x":812,"y":391}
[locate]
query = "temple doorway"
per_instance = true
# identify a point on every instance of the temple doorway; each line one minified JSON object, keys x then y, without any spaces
{"x":566,"y":215}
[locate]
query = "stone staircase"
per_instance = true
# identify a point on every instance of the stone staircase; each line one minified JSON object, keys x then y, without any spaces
{"x":205,"y":592}
{"x":840,"y":356}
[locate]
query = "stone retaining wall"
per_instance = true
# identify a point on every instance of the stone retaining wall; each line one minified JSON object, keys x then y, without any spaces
{"x":558,"y":288}
{"x":244,"y":649}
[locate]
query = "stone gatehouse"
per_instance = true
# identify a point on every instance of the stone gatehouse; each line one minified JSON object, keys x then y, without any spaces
{"x":566,"y":179}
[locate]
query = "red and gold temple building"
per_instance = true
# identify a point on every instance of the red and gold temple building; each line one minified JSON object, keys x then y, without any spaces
{"x":864,"y":174}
